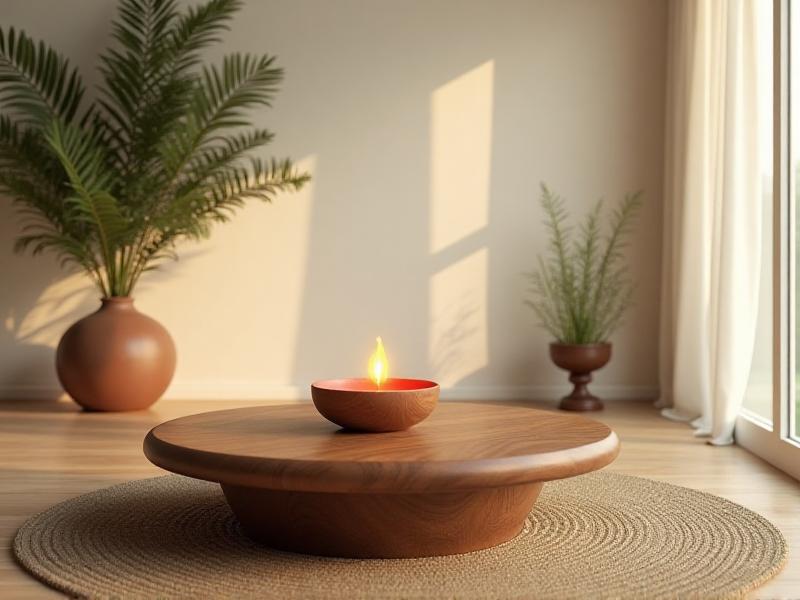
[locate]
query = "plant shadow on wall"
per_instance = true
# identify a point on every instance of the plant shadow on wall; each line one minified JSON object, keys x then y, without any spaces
{"x":111,"y":184}
{"x":36,"y":306}
{"x":448,"y":351}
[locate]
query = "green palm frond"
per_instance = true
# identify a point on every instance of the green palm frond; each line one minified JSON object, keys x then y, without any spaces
{"x":580,"y":291}
{"x":23,"y":153}
{"x":33,"y":178}
{"x":243,"y":81}
{"x":85,"y":162}
{"x":136,"y":82}
{"x":148,"y":81}
{"x":83,"y":158}
{"x":220,"y":102}
{"x":200,"y":27}
{"x":261,"y":181}
{"x":212,"y":160}
{"x":36,"y":83}
{"x":69,"y":250}
{"x":164,"y":151}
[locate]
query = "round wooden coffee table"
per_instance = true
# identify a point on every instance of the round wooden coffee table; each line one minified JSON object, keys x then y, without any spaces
{"x":463,"y":480}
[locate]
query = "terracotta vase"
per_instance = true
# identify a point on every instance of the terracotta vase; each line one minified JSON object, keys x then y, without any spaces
{"x":580,"y":360}
{"x":115,"y":359}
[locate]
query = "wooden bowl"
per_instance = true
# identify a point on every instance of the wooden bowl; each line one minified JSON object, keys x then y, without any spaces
{"x":358,"y":404}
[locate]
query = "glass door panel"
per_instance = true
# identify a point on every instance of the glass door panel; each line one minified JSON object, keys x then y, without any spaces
{"x":758,"y":396}
{"x":793,"y":221}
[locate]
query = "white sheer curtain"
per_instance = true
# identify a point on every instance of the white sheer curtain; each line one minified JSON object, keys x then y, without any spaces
{"x":712,"y":214}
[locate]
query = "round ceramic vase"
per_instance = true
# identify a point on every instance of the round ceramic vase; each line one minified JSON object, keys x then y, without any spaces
{"x":116,"y":359}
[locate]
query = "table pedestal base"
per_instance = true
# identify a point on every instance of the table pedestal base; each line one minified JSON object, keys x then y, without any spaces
{"x":382,"y":525}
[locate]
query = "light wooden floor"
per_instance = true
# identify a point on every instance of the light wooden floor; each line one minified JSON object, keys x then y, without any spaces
{"x":50,"y":452}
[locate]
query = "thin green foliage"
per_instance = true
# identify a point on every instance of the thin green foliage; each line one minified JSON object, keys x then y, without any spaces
{"x":581,"y":287}
{"x":163,"y":152}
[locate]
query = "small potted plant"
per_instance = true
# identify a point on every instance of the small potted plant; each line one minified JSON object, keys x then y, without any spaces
{"x":111,"y":185}
{"x":581,"y":290}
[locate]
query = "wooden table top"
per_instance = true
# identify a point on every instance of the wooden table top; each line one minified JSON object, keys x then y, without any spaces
{"x":460,"y":446}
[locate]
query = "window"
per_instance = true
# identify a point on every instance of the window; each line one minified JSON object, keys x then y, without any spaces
{"x":770,"y":422}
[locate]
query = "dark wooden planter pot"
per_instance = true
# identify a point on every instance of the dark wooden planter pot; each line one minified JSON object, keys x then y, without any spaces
{"x":580,"y":360}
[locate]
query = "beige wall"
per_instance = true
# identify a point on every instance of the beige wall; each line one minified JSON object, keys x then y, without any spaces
{"x":427,"y":126}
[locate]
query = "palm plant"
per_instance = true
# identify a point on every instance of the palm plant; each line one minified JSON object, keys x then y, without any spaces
{"x":581,"y":289}
{"x":161,"y":153}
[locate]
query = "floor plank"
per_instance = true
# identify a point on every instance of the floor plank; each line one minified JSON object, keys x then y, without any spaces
{"x":51,"y":451}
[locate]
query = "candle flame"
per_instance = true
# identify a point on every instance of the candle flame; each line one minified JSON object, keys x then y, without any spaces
{"x":378,"y":365}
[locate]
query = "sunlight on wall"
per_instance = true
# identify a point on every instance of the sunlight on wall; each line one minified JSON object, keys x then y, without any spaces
{"x":461,"y":149}
{"x":458,"y":327}
{"x":461,"y":146}
{"x":289,"y":248}
{"x":266,"y":246}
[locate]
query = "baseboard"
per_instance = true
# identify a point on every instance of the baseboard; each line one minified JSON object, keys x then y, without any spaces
{"x":242,"y":390}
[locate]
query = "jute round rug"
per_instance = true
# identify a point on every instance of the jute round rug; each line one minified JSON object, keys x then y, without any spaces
{"x":596,"y":536}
